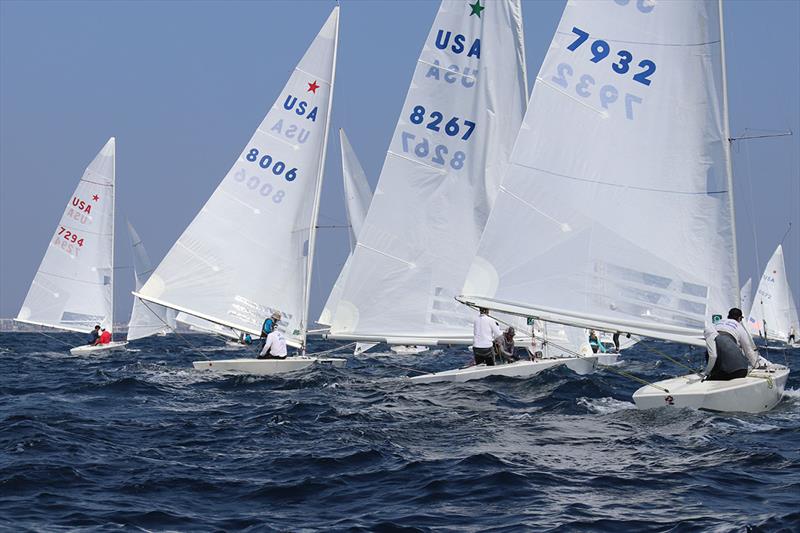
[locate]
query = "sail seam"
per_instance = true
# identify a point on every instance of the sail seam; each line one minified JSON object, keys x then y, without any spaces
{"x":67,"y":278}
{"x":326,"y":82}
{"x":97,"y":183}
{"x":447,"y":69}
{"x":619,"y":185}
{"x":441,"y":170}
{"x":676,"y":45}
{"x":544,"y":82}
{"x":412,"y":265}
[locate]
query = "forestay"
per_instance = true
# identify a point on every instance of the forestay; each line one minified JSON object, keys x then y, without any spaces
{"x":247,"y":253}
{"x":620,"y":178}
{"x":439,"y":179}
{"x":146,"y":318}
{"x":774,"y":303}
{"x":72,"y":289}
{"x":357,"y":195}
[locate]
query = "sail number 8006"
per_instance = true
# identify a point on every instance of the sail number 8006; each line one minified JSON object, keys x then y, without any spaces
{"x":266,"y":162}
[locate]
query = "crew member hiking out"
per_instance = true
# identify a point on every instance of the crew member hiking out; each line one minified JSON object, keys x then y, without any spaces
{"x":731,"y":350}
{"x":484,"y":331}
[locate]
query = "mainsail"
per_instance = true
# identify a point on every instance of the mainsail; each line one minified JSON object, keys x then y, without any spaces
{"x":73,"y":288}
{"x":204,"y":326}
{"x":773,"y":304}
{"x":249,"y":251}
{"x":358,"y":196}
{"x":146,"y":318}
{"x":439,"y":180}
{"x":620,"y":176}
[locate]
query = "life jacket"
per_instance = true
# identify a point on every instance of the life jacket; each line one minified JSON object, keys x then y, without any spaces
{"x":267,"y":327}
{"x":105,"y":337}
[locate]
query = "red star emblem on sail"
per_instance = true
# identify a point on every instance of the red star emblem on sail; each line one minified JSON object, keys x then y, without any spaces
{"x":312,"y":87}
{"x":95,"y":197}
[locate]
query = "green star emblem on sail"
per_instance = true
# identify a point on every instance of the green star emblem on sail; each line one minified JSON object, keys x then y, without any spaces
{"x":476,"y":8}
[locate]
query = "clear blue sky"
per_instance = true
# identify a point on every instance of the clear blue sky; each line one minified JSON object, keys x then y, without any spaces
{"x":182,"y":85}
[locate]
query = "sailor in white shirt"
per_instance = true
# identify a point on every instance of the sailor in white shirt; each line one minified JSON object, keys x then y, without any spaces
{"x":274,"y":347}
{"x":484,"y":332}
{"x":731,"y":350}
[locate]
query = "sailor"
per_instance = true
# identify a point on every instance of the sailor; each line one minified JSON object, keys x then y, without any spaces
{"x":245,"y":338}
{"x":731,"y":349}
{"x":274,"y":347}
{"x":504,"y":346}
{"x":594,"y":342}
{"x":615,"y":338}
{"x":105,"y":337}
{"x":94,"y":335}
{"x":791,"y":335}
{"x":484,"y":331}
{"x":268,"y":325}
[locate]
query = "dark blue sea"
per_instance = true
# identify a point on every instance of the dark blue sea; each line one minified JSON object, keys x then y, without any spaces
{"x":137,"y":441}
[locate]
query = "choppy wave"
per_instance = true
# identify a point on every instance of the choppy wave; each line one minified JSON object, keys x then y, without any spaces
{"x":138,"y":440}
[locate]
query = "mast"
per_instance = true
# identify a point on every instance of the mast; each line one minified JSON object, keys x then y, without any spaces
{"x":727,"y":150}
{"x":315,"y":208}
{"x":113,"y":217}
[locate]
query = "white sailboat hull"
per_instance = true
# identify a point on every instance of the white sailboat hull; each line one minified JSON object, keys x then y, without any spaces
{"x":266,"y":367}
{"x":760,"y":391}
{"x":89,"y":349}
{"x":520,"y":369}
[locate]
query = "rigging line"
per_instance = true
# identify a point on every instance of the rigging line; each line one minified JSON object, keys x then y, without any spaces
{"x":664,"y":355}
{"x":604,"y":367}
{"x":333,"y":349}
{"x":175,"y":331}
{"x":787,"y":233}
{"x":65,"y":343}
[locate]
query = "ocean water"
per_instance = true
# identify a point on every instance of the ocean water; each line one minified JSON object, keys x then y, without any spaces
{"x":136,"y":441}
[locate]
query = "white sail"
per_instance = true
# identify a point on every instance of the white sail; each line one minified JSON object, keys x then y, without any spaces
{"x":248,"y":252}
{"x":204,"y":326}
{"x":73,"y":288}
{"x":439,"y":180}
{"x":746,"y":296}
{"x":620,"y":176}
{"x":358,"y":196}
{"x":146,"y":318}
{"x":773,"y":303}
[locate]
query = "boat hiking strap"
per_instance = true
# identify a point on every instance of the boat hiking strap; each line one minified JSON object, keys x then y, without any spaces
{"x":175,"y":331}
{"x":604,"y":367}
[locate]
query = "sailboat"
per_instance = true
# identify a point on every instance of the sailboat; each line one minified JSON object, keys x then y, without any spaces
{"x":73,"y":289}
{"x":773,"y":313}
{"x":440,"y":177}
{"x":249,"y":251}
{"x":358,"y":196}
{"x":147,"y":319}
{"x":629,"y":112}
